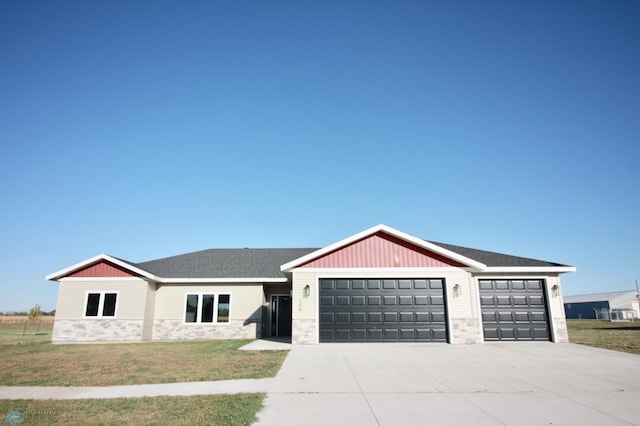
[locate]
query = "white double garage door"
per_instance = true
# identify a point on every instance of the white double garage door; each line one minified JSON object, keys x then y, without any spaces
{"x":414,"y":310}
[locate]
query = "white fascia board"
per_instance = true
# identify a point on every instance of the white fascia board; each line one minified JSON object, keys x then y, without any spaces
{"x":103,"y":279}
{"x":403,"y":236}
{"x":529,"y":269}
{"x":63,"y":272}
{"x":220,"y":280}
{"x":370,"y":271}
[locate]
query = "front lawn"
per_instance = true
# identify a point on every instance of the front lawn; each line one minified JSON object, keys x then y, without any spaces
{"x":618,"y":336}
{"x":31,"y":361}
{"x":239,"y":409}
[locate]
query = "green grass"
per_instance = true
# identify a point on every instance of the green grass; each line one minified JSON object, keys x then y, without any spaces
{"x":31,"y":360}
{"x":34,"y":361}
{"x":20,"y":333}
{"x":239,"y":409}
{"x":618,"y":336}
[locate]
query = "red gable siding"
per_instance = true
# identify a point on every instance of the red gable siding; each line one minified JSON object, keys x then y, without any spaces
{"x":102,"y":270}
{"x":381,"y":250}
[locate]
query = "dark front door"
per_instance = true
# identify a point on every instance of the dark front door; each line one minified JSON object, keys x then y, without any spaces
{"x":280,"y":315}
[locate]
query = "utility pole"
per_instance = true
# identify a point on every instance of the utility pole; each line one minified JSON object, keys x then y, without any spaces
{"x":638,"y":298}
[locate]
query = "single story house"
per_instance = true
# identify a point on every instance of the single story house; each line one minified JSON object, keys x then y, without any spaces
{"x":380,"y":285}
{"x":615,"y":305}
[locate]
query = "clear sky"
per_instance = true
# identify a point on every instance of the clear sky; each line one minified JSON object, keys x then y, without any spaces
{"x":150,"y":129}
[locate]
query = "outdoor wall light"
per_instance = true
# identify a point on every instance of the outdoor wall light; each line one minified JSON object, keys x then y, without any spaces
{"x":555,"y":290}
{"x":456,"y":290}
{"x":306,"y":291}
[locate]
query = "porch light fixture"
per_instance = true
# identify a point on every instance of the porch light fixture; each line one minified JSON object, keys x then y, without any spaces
{"x":456,"y":290}
{"x":555,"y":290}
{"x":306,"y":290}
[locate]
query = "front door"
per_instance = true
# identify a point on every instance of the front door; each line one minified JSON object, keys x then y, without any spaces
{"x":280,"y":315}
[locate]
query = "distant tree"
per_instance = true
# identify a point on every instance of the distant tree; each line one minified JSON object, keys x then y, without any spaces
{"x":34,"y":315}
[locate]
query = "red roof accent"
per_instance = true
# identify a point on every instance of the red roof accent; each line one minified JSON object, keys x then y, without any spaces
{"x":102,"y":269}
{"x":381,"y":250}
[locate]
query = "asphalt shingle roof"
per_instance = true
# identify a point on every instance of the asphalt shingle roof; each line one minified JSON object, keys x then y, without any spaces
{"x":265,"y":263}
{"x":490,"y":258}
{"x":225,"y":263}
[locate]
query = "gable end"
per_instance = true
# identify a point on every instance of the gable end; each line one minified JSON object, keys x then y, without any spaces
{"x":102,"y":269}
{"x":381,"y":250}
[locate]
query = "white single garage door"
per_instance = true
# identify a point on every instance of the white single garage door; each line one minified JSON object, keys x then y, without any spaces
{"x":382,"y":310}
{"x":514,"y":310}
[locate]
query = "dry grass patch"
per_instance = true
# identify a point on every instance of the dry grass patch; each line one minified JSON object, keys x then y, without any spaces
{"x":239,"y":409}
{"x":618,"y":336}
{"x":40,"y":363}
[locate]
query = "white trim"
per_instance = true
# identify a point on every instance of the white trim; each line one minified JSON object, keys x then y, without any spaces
{"x":146,"y":276}
{"x":529,"y":269}
{"x":101,"y":296}
{"x":220,"y":280}
{"x":110,"y":279}
{"x":368,"y":271}
{"x":86,"y":263}
{"x":394,"y":232}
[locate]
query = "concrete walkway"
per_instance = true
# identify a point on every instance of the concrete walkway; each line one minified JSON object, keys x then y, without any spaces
{"x":136,"y":391}
{"x":519,"y":383}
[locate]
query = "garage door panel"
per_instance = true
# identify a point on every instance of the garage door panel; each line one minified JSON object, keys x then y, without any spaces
{"x":357,"y":284}
{"x":513,"y":310}
{"x":522,"y":316}
{"x":407,"y":334}
{"x":534,"y":285}
{"x":374,"y":334}
{"x":358,"y":300}
{"x":438,"y":317}
{"x":389,"y":300}
{"x":536,"y":300}
{"x":405,"y":300}
{"x":420,"y":284}
{"x":359,"y":334}
{"x":374,"y":317}
{"x":389,"y":284}
{"x":390,"y":334}
{"x":421,"y":300}
{"x":406,"y":317}
{"x":487,"y":300}
{"x":439,"y":334}
{"x":359,"y":317}
{"x":327,"y":317}
{"x":342,"y":300}
{"x":422,"y":317}
{"x":505,"y":317}
{"x":326,"y":301}
{"x":540,"y":333}
{"x":405,"y":284}
{"x":390,"y":317}
{"x":435,"y":284}
{"x":538,"y":316}
{"x":374,"y":300}
{"x":343,"y":317}
{"x":382,"y":310}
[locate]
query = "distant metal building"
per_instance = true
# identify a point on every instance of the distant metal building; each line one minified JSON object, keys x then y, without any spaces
{"x":616,"y":305}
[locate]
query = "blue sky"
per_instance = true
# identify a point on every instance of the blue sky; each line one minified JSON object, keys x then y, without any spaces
{"x":149,"y":129}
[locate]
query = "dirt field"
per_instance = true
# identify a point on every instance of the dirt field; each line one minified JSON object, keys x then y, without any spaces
{"x":20,"y":319}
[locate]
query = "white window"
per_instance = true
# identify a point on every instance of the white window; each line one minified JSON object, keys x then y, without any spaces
{"x":207,"y":307}
{"x":101,"y":304}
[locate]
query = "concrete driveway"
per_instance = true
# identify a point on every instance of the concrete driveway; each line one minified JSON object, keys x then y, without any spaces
{"x":523,"y":383}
